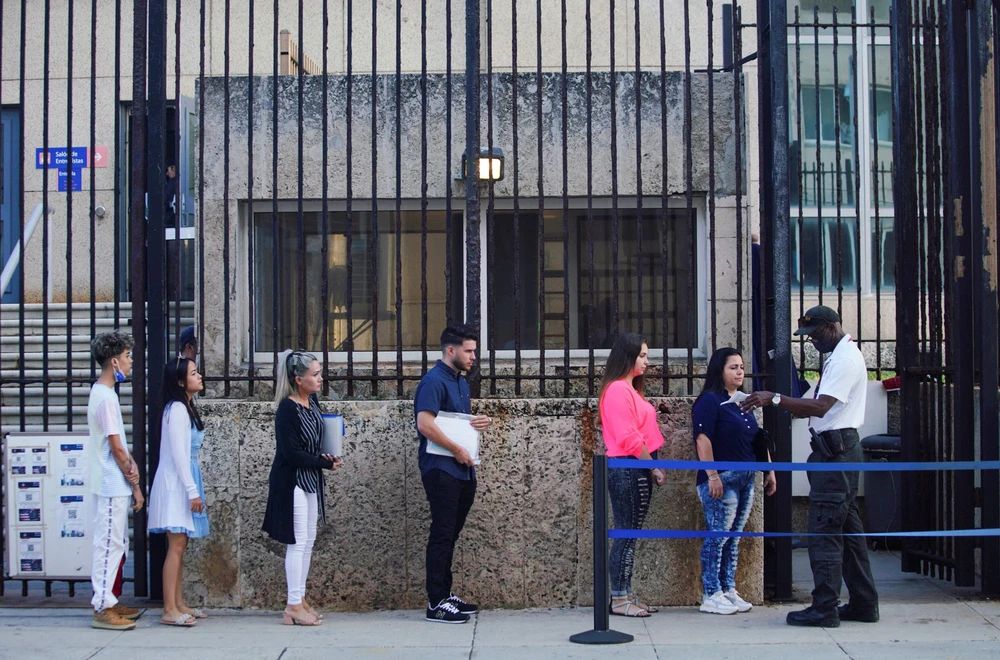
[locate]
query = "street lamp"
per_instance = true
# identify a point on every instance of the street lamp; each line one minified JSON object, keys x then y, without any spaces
{"x":490,"y":165}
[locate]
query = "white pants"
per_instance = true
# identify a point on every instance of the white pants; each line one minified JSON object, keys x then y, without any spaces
{"x":297,"y":556}
{"x":110,"y":546}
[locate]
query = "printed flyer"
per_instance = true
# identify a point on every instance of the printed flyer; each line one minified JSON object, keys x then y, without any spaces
{"x":72,"y":473}
{"x":71,"y":517}
{"x":31,"y":552}
{"x":29,"y":501}
{"x":18,"y":461}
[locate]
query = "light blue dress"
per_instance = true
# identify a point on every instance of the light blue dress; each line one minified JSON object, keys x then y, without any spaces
{"x":200,"y":519}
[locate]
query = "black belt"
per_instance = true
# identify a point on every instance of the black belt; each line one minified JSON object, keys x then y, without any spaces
{"x":836,"y":441}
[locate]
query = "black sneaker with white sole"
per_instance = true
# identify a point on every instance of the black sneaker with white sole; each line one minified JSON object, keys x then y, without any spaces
{"x":462,"y":606}
{"x":445,"y":612}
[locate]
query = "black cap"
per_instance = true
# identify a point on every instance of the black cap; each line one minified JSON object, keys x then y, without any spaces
{"x":186,"y":337}
{"x":815,"y":318}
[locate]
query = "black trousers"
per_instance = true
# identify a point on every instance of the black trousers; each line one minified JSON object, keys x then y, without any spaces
{"x":833,"y":510}
{"x":450,"y":500}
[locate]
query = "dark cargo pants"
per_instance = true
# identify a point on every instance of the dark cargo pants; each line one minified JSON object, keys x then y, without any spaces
{"x":833,"y":510}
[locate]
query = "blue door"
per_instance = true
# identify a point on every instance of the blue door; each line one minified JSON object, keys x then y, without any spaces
{"x":10,"y":196}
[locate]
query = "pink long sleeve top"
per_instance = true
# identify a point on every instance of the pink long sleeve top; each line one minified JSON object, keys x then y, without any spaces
{"x":628,"y":421}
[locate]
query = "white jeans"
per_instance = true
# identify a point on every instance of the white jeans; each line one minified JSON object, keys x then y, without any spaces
{"x":298,"y":556}
{"x":110,"y":546}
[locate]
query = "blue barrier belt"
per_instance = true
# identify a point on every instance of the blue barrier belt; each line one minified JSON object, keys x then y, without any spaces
{"x":700,"y":534}
{"x":879,"y":466}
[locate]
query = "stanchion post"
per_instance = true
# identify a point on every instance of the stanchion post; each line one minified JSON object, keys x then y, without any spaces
{"x":601,"y":634}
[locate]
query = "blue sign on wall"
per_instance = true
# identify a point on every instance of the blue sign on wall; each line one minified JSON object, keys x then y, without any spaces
{"x":70,"y":180}
{"x":61,"y":156}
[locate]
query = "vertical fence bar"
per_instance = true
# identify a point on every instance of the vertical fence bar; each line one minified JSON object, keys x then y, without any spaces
{"x":590,"y":210}
{"x":156,"y":307}
{"x":200,"y":321}
{"x":799,"y":121}
{"x":689,"y":196}
{"x":178,"y":265}
{"x":664,"y":202}
{"x":373,"y":225}
{"x":251,"y":218}
{"x":989,"y":433}
{"x":615,"y":229}
{"x":473,"y":286}
{"x":119,"y":207}
{"x":858,"y":212}
{"x":564,"y":105}
{"x":773,"y":90}
{"x":736,"y":57}
{"x":491,"y":250}
{"x":423,"y":189}
{"x":399,"y":200}
{"x":820,"y":178}
{"x":300,"y":312}
{"x":839,"y":191}
{"x":984,"y":159}
{"x":449,"y":264}
{"x":276,"y":232}
{"x":22,"y":78}
{"x":638,"y":179}
{"x":539,"y":85}
{"x":46,"y":238}
{"x":712,"y":279}
{"x":137,"y":275}
{"x":517,"y":201}
{"x":227,"y":333}
{"x":349,"y":112}
{"x":325,"y":210}
{"x":69,"y":217}
{"x":92,"y":213}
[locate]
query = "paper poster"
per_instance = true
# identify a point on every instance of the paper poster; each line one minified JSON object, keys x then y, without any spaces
{"x":71,"y":517}
{"x":29,"y":501}
{"x":31,"y":552}
{"x":39,"y":460}
{"x":72,"y":473}
{"x":18,"y":461}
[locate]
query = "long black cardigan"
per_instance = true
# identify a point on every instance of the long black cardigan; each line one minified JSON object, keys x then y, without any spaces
{"x":289,"y":455}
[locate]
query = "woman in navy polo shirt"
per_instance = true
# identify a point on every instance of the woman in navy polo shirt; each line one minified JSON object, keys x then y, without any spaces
{"x":722,"y":432}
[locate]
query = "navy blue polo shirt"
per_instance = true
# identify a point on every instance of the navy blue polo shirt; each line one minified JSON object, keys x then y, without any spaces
{"x":442,"y":390}
{"x":731,"y":431}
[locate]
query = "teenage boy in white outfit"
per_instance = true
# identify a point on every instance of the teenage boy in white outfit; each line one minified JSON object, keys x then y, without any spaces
{"x":114,"y":478}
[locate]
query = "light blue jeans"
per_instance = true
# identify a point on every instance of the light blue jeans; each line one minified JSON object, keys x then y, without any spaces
{"x":726,"y":514}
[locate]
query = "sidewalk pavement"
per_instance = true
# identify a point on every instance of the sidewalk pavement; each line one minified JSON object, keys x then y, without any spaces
{"x":921,"y":618}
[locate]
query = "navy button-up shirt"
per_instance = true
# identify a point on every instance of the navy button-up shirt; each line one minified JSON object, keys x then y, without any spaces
{"x":731,"y":430}
{"x":442,"y":390}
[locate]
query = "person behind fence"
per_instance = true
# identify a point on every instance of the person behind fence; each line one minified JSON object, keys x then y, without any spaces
{"x":114,"y":480}
{"x":836,"y":411}
{"x":628,"y":422}
{"x":449,"y":481}
{"x":187,"y":344}
{"x":177,"y":498}
{"x":723,"y":432}
{"x":295,"y":496}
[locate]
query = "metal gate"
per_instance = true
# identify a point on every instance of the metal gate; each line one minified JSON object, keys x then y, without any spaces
{"x":946,"y":184}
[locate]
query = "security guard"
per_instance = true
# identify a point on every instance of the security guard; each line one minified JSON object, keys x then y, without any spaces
{"x":836,"y":411}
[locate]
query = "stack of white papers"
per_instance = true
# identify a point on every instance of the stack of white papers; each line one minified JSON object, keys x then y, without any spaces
{"x":458,"y":428}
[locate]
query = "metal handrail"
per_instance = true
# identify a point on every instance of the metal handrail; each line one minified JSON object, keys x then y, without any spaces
{"x":15,"y":255}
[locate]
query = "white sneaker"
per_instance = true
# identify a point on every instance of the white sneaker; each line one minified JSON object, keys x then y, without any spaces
{"x":735,"y":599}
{"x":717,"y":603}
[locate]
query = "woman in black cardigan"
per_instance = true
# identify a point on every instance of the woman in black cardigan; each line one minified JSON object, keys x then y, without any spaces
{"x":295,"y":496}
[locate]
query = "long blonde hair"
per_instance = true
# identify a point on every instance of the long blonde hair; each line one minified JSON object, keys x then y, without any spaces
{"x":290,"y":365}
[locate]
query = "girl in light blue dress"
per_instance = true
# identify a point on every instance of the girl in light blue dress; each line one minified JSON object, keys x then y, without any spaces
{"x":177,"y":498}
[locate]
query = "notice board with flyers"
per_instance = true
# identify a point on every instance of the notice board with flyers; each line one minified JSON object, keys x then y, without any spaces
{"x":48,"y":506}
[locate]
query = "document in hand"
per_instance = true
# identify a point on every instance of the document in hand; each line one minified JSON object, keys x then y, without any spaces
{"x":458,"y":428}
{"x":333,"y":435}
{"x":737,"y":398}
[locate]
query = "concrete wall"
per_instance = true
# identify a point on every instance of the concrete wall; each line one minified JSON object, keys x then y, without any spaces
{"x":528,"y":540}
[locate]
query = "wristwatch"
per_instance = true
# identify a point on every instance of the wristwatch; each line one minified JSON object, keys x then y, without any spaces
{"x":776,"y":399}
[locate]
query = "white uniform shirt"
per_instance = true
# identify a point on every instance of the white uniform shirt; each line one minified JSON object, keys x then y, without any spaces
{"x":104,"y":417}
{"x":845,"y":378}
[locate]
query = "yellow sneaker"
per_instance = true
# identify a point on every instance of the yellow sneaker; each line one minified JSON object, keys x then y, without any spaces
{"x":107,"y":619}
{"x":125,"y":612}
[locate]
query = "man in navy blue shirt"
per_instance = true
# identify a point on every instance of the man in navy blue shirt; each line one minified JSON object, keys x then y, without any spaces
{"x":449,"y":481}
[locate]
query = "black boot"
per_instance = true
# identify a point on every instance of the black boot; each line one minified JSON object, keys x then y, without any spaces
{"x":813,"y":617}
{"x":864,"y":612}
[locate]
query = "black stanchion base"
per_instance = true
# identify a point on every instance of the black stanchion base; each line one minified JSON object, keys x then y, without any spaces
{"x":601,"y":637}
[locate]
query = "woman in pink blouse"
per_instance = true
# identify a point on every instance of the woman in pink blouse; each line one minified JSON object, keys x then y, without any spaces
{"x":629,"y":425}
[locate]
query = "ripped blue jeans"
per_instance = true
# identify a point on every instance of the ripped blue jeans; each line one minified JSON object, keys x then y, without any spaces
{"x":726,"y":514}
